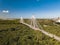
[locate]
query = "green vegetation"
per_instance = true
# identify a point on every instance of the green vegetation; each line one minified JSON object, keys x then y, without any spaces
{"x":14,"y":33}
{"x":50,"y":26}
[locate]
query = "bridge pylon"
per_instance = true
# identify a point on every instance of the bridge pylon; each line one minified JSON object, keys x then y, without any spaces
{"x":34,"y":22}
{"x":21,"y":20}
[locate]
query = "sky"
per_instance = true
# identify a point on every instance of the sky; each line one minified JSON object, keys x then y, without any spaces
{"x":27,"y":8}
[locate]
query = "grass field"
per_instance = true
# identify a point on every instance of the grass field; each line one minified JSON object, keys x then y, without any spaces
{"x":15,"y":33}
{"x":50,"y":26}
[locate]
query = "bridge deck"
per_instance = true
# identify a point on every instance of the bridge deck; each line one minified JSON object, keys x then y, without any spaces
{"x":46,"y":33}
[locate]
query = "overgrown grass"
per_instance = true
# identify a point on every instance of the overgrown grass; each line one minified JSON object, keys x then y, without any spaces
{"x":19,"y":34}
{"x":50,"y":26}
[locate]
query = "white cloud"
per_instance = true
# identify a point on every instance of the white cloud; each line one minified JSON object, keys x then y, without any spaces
{"x":5,"y":11}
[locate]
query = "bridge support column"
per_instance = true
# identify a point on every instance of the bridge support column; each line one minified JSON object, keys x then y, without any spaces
{"x":21,"y":20}
{"x":34,"y":22}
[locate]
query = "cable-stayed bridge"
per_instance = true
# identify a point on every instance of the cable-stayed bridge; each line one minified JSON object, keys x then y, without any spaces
{"x":34,"y":25}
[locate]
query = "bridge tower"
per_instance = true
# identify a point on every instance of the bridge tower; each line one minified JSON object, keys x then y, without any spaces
{"x":21,"y":20}
{"x":34,"y":22}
